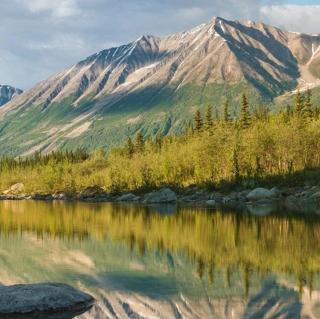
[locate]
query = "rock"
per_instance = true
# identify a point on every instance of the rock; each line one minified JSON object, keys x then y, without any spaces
{"x":128,"y":198}
{"x":165,"y":195}
{"x":217,"y":197}
{"x":291,"y":203}
{"x":92,"y":191}
{"x":262,"y":207}
{"x":211,"y":202}
{"x":60,"y":196}
{"x":260,"y":193}
{"x":276,"y":192}
{"x":42,"y":197}
{"x":15,"y":189}
{"x":42,"y":298}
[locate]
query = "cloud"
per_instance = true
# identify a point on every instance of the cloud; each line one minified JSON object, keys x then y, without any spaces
{"x":42,"y":37}
{"x":302,"y":18}
{"x":58,"y":8}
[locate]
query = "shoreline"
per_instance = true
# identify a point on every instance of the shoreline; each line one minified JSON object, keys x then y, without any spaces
{"x":257,"y":200}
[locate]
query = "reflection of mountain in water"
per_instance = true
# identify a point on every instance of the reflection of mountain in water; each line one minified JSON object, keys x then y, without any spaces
{"x":140,"y":263}
{"x":272,"y":301}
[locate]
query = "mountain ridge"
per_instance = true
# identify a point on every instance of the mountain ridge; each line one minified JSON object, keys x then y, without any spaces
{"x":154,"y":84}
{"x":7,"y":93}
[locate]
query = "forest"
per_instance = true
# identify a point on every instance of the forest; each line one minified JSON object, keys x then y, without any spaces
{"x":215,"y":151}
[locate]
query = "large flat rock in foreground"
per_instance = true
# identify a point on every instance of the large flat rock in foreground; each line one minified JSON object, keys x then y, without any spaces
{"x":42,"y":298}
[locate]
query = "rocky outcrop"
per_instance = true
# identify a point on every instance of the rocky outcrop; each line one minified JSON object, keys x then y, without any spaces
{"x":7,"y":93}
{"x":165,"y":195}
{"x":42,"y":298}
{"x":259,"y":201}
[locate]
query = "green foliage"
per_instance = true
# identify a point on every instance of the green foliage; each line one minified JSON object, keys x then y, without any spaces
{"x":308,"y":111}
{"x":273,"y":147}
{"x":226,"y":114}
{"x":209,"y":120}
{"x":298,"y":108}
{"x":129,"y":147}
{"x":198,"y":121}
{"x":139,"y":142}
{"x":245,"y":118}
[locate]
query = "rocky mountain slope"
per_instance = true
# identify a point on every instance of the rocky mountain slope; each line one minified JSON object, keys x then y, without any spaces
{"x":7,"y":93}
{"x":154,"y":84}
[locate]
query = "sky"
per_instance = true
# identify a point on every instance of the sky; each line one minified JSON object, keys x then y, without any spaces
{"x":39,"y":38}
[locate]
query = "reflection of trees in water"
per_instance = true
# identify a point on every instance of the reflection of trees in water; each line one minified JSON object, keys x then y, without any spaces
{"x":234,"y":242}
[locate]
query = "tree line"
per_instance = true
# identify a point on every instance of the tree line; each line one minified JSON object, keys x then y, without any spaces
{"x":215,"y":150}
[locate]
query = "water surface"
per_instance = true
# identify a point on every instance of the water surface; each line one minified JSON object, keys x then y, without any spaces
{"x":165,"y":261}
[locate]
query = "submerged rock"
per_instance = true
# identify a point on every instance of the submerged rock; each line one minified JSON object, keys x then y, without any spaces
{"x":211,"y":202}
{"x":165,"y":195}
{"x":260,"y":193}
{"x":42,"y":298}
{"x":128,"y":198}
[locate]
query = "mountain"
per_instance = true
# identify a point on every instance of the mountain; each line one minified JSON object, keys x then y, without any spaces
{"x":154,"y":85}
{"x":7,"y":93}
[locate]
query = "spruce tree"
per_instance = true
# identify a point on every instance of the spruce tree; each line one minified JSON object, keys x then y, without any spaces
{"x":129,"y":147}
{"x":245,"y":118}
{"x":158,"y":142}
{"x":308,"y":107}
{"x":198,"y":122}
{"x":139,"y":142}
{"x":226,"y":115}
{"x":298,"y":106}
{"x":209,"y":120}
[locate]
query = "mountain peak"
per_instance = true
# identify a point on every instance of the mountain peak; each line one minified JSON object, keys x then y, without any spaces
{"x":7,"y":93}
{"x":173,"y":74}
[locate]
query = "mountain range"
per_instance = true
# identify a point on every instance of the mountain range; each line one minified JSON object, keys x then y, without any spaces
{"x":7,"y":93}
{"x":155,"y":84}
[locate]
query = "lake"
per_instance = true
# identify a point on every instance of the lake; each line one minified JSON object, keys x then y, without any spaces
{"x":166,"y":261}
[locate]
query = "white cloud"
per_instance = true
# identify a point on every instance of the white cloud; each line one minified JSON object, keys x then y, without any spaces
{"x":301,"y":18}
{"x":58,"y":8}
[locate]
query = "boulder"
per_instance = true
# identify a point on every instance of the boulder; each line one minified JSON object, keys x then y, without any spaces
{"x":42,"y":298}
{"x":164,"y":195}
{"x":211,"y":202}
{"x":15,"y":189}
{"x":92,"y":191}
{"x":260,"y":193}
{"x":128,"y":198}
{"x":261,"y":207}
{"x":291,"y":203}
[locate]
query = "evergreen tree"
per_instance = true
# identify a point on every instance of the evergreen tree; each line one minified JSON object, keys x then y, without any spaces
{"x":209,"y":120}
{"x":245,"y":118}
{"x":139,"y":142}
{"x":308,"y":107}
{"x":158,"y":142}
{"x":198,"y":122}
{"x":298,"y":104}
{"x":226,"y":115}
{"x":129,"y":147}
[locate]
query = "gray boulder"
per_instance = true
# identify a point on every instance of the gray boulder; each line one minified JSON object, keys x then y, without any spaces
{"x":260,"y":193}
{"x":42,"y":298}
{"x":164,"y":195}
{"x":128,"y":198}
{"x":291,"y":203}
{"x":262,"y":207}
{"x":211,"y":202}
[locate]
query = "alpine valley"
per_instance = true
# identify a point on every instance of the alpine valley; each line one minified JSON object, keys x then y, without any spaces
{"x":154,"y":85}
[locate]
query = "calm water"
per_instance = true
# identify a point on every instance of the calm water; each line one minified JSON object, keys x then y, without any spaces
{"x":166,"y":262}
